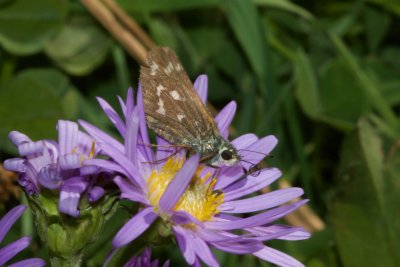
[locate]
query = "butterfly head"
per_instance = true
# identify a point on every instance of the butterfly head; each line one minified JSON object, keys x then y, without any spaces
{"x":227,"y":156}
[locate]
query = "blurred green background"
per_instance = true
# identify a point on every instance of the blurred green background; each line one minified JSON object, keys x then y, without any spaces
{"x":323,"y":76}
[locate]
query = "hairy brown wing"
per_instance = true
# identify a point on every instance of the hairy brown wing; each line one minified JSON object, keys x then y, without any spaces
{"x":172,"y":106}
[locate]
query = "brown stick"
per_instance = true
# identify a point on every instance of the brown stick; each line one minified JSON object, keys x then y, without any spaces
{"x":134,"y":28}
{"x":303,"y":216}
{"x":125,"y":38}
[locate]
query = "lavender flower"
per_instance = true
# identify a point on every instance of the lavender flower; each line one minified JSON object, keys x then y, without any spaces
{"x":9,"y":251}
{"x":52,"y":165}
{"x":201,"y":206}
{"x":144,"y":260}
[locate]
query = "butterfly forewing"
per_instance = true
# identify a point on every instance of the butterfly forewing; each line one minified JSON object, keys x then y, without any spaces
{"x":172,"y":106}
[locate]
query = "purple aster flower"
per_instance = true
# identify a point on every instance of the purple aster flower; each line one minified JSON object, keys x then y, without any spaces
{"x":57,"y":166}
{"x":144,"y":260}
{"x":202,"y":206}
{"x":9,"y":251}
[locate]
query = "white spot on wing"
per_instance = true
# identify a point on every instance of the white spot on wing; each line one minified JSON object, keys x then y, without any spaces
{"x":169,"y":68}
{"x":178,"y":67}
{"x":161,"y":109}
{"x":175,"y":95}
{"x":180,"y":117}
{"x":153,"y":69}
{"x":160,"y":88}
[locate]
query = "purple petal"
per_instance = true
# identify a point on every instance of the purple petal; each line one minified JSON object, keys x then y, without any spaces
{"x":210,"y":235}
{"x":96,"y":193}
{"x":279,"y":233}
{"x":31,"y":148}
{"x":297,"y":233}
{"x":255,"y":152}
{"x":244,"y":141}
{"x":122,"y":105}
{"x":185,"y":243}
{"x":101,"y":136}
{"x":164,"y":149}
{"x":18,"y":138}
{"x":147,"y":150}
{"x":128,"y":191}
{"x":70,"y":194}
{"x":112,"y":115}
{"x":261,"y":202}
{"x":67,"y":136}
{"x":33,"y":262}
{"x":85,"y":145}
{"x":15,"y":165}
{"x":88,"y":170}
{"x":228,"y":175}
{"x":201,"y":86}
{"x":49,"y":176}
{"x":9,"y":219}
{"x":256,"y":220}
{"x":9,"y":251}
{"x":31,"y":174}
{"x":68,"y":203}
{"x":251,"y":184}
{"x":134,"y":227}
{"x":104,"y":164}
{"x":182,"y":217}
{"x":276,"y":257}
{"x":178,"y":185}
{"x":69,"y":161}
{"x":129,"y":168}
{"x":204,"y":252}
{"x":131,"y":138}
{"x":75,"y":184}
{"x":29,"y":186}
{"x":130,"y":104}
{"x":51,"y":150}
{"x":37,"y":162}
{"x":224,"y":118}
{"x":242,"y":247}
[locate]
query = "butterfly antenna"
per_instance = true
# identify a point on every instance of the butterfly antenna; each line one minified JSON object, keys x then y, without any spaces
{"x":163,"y":159}
{"x":265,"y":154}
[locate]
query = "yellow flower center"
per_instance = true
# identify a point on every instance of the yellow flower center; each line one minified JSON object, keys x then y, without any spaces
{"x":200,"y":199}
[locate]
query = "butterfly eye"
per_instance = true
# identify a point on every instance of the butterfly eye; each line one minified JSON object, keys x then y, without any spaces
{"x":227,"y":155}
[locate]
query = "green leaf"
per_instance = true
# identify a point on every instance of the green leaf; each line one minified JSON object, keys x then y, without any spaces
{"x":285,"y":6}
{"x":25,"y":26}
{"x":84,"y":46}
{"x":339,"y":90}
{"x":366,"y":214}
{"x":390,"y":5}
{"x":246,"y":24}
{"x":306,"y":86}
{"x":144,"y":6}
{"x":371,"y":91}
{"x":375,"y":31}
{"x":162,"y":33}
{"x":30,"y":103}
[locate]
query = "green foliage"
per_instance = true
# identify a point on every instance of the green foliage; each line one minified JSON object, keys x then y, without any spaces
{"x":321,"y":75}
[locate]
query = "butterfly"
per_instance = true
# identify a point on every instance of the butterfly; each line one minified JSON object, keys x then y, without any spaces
{"x":175,"y":111}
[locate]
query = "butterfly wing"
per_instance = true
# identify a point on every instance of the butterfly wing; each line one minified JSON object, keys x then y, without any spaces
{"x":173,"y":108}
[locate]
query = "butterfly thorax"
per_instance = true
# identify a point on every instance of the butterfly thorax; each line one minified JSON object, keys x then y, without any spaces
{"x":215,"y":151}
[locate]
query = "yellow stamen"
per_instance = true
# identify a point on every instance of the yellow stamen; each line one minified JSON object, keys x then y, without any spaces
{"x":93,"y":149}
{"x":200,"y":199}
